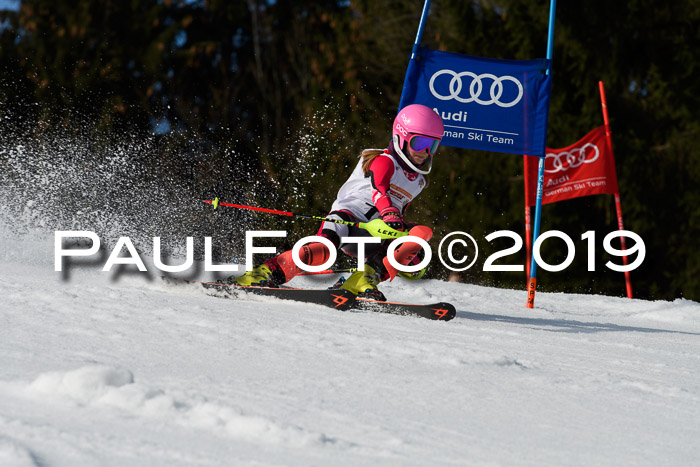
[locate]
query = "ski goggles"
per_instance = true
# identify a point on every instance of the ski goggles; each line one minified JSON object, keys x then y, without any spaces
{"x":420,"y":143}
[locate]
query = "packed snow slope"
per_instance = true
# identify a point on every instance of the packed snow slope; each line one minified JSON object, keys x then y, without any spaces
{"x":104,"y":369}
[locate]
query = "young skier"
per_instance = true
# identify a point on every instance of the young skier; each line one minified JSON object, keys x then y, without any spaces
{"x":382,"y":185}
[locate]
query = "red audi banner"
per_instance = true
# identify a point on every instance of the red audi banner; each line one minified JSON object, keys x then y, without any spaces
{"x":587,"y":167}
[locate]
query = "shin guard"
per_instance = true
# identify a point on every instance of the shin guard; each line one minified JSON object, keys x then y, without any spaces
{"x":311,"y":254}
{"x":405,"y":253}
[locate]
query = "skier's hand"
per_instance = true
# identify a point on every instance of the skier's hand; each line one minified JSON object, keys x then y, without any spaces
{"x":392,"y":218}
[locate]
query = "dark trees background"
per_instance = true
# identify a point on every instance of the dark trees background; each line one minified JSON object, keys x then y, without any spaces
{"x":271,"y":101}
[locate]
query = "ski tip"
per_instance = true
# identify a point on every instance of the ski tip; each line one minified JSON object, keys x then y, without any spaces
{"x":443,"y":311}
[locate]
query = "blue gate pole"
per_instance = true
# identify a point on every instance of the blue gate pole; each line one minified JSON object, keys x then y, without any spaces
{"x":414,"y":51}
{"x":532,"y":282}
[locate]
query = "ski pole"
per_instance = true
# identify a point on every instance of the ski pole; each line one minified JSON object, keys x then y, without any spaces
{"x":376,"y":227}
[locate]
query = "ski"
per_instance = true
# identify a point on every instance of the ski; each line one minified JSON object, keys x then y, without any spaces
{"x":438,"y":311}
{"x":339,"y":299}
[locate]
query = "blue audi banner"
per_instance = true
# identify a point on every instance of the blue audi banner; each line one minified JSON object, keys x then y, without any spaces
{"x":485,"y":103}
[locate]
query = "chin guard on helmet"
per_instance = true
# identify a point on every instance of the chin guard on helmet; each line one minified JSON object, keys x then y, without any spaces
{"x":426,"y":166}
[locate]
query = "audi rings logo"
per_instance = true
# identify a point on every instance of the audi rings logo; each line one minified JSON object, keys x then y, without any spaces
{"x":476,"y":86}
{"x":565,"y":160}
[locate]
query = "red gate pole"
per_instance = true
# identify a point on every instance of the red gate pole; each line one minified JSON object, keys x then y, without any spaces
{"x":528,"y":221}
{"x":618,"y":205}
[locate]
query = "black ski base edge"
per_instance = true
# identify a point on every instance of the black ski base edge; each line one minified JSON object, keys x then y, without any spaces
{"x":437,"y":311}
{"x":339,"y":299}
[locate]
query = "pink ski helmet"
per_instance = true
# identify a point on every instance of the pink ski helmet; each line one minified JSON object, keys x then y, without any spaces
{"x":413,"y":124}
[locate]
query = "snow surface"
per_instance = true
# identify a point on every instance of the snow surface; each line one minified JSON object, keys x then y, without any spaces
{"x":104,"y":369}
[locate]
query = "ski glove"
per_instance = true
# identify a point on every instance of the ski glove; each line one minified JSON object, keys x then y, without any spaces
{"x":392,"y":218}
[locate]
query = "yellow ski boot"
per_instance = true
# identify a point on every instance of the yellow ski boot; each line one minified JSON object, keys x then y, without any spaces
{"x":260,"y":276}
{"x":364,"y":284}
